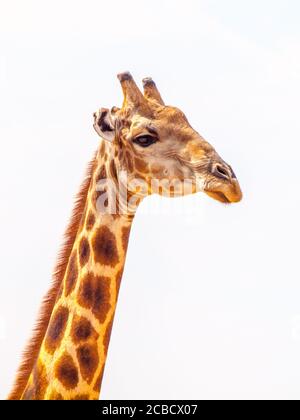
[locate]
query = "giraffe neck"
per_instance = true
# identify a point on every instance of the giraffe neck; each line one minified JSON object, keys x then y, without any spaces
{"x":71,"y":360}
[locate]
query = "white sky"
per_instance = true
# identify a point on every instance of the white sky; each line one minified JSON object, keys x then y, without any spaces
{"x":210,"y":298}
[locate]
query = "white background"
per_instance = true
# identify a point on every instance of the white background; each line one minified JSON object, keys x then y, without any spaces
{"x":210,"y":299}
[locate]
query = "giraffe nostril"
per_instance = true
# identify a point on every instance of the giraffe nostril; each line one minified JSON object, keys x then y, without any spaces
{"x":222,"y":172}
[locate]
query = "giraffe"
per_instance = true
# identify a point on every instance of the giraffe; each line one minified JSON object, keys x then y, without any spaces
{"x":159,"y":152}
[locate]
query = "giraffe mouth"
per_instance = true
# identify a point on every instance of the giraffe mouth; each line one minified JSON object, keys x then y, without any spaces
{"x":219,"y":196}
{"x":227,"y":194}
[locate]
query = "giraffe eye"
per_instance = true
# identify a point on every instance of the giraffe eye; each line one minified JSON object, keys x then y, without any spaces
{"x":145,"y":141}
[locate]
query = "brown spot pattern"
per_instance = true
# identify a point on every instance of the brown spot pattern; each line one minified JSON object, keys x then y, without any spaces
{"x":72,"y":274}
{"x":88,"y":359}
{"x":82,"y":330}
{"x":107,"y":335}
{"x":101,"y":174}
{"x":156,"y":169}
{"x":125,"y":236}
{"x":56,"y":329}
{"x":37,"y":389}
{"x":60,"y":292}
{"x":29,"y":394}
{"x":118,"y":280}
{"x":40,"y":380}
{"x":66,"y":371}
{"x":113,"y":170}
{"x":98,"y":382}
{"x":140,"y":165}
{"x":129,"y":162}
{"x":105,"y":247}
{"x":132,"y":200}
{"x":121,"y":155}
{"x":84,"y":251}
{"x":90,"y":221}
{"x":55,"y":396}
{"x":102,"y":149}
{"x":94,"y":294}
{"x":80,"y":397}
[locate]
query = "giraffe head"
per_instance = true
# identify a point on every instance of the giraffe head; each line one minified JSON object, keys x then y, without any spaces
{"x":156,"y":144}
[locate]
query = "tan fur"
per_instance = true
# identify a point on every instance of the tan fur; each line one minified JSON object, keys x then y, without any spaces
{"x":31,"y":352}
{"x":88,"y":273}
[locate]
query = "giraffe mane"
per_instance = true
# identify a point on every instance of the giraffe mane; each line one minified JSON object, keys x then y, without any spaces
{"x":33,"y":347}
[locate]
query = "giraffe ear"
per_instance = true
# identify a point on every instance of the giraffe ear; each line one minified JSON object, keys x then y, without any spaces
{"x":104,"y":124}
